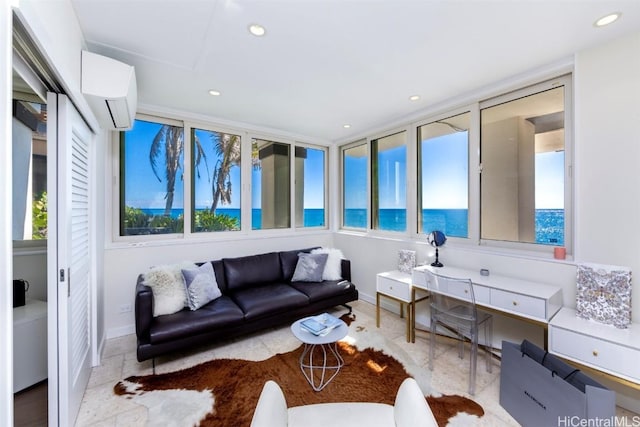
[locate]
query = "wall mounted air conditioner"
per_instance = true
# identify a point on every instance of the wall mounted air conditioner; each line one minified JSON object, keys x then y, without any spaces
{"x":110,"y":89}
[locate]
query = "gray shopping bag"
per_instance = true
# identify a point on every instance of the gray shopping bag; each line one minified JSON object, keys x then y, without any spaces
{"x":539,"y":389}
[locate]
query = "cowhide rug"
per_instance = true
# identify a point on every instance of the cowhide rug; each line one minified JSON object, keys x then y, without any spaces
{"x":224,"y":392}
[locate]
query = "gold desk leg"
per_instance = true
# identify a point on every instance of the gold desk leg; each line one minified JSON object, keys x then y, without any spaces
{"x":378,"y":309}
{"x":409,"y":317}
{"x":413,"y":315}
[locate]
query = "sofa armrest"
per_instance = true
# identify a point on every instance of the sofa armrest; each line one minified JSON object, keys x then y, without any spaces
{"x":271,"y":410}
{"x":345,"y":264}
{"x":143,"y":309}
{"x":411,"y":408}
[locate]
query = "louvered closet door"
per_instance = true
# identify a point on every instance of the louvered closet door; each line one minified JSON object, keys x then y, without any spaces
{"x":73,"y":262}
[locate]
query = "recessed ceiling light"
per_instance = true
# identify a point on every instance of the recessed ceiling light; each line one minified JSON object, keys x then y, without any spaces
{"x":257,"y":30}
{"x":414,"y":97}
{"x":346,"y":125}
{"x":213,"y":92}
{"x":608,"y":19}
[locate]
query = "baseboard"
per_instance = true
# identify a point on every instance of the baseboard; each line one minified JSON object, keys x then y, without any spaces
{"x":121,"y":331}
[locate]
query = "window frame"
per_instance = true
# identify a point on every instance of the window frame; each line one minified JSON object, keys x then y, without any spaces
{"x":118,"y":184}
{"x":189,"y":179}
{"x":473,"y":106}
{"x":473,"y":158}
{"x":325,"y":168}
{"x":373,"y":223}
{"x":114,"y":191}
{"x":565,"y":80}
{"x":361,"y":142}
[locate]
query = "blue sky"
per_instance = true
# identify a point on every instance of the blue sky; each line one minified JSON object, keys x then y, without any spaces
{"x":143,"y":190}
{"x":445,"y":181}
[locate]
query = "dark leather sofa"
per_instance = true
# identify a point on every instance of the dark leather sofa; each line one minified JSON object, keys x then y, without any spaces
{"x":257,"y":293}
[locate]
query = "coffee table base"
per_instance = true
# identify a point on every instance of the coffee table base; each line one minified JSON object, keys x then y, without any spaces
{"x":318,"y":374}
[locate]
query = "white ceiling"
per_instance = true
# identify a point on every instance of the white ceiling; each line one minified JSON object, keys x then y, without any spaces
{"x":324,"y":63}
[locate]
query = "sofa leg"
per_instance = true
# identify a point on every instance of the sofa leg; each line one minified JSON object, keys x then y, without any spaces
{"x":348,"y":307}
{"x":153,"y":365}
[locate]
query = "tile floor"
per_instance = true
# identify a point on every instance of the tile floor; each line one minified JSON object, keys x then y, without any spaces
{"x":100,"y":407}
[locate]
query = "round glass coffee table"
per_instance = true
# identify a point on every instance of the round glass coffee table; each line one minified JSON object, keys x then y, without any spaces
{"x":320,"y":360}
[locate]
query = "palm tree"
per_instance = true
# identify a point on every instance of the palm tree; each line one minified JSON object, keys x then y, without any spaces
{"x":170,"y":139}
{"x":228,"y":150}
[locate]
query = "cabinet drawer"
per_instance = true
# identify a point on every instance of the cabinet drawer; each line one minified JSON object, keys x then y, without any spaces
{"x":595,"y":352}
{"x":526,"y":305}
{"x":394,"y":288}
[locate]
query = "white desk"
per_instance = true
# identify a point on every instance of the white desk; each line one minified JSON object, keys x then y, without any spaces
{"x":531,"y":301}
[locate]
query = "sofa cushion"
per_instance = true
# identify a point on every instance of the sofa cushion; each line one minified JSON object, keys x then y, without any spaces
{"x":253,"y":270}
{"x":270,"y":299}
{"x":201,"y":286}
{"x":219,"y":313}
{"x":317,"y":291}
{"x":289,"y":260}
{"x":309,"y":267}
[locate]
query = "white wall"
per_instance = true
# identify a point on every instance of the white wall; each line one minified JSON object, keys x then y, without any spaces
{"x":607,"y":152}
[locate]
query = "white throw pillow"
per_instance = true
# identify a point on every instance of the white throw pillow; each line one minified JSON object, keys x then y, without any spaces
{"x":333,"y":267}
{"x":167,"y":284}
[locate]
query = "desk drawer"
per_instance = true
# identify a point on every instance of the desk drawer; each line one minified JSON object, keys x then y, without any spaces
{"x":593,"y":351}
{"x":513,"y":302}
{"x":394,"y":288}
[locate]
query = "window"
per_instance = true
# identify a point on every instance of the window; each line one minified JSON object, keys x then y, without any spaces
{"x":270,"y":185}
{"x":29,"y":137}
{"x":310,"y":180}
{"x":151,"y":167}
{"x":216,"y":181}
{"x":354,"y":186}
{"x":443,"y":170}
{"x":388,"y":183}
{"x":522,"y":185}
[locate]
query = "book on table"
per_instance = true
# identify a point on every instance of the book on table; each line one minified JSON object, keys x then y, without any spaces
{"x":321,"y":324}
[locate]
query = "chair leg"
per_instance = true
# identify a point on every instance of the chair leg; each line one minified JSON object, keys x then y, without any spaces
{"x":488,"y":339}
{"x":432,"y":343}
{"x":472,"y":362}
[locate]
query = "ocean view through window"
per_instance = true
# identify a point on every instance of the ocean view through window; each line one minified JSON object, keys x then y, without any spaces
{"x":354,"y":186}
{"x":389,"y":182}
{"x":151,"y":190}
{"x":216,"y":181}
{"x":522,"y":184}
{"x":443,"y":196}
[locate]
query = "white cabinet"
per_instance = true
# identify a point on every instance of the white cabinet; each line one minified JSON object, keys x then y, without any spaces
{"x":29,"y":344}
{"x":599,"y":346}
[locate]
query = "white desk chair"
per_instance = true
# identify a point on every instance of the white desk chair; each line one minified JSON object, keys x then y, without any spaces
{"x":453,"y":306}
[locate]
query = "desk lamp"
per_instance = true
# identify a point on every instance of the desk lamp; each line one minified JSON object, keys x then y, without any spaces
{"x":436,"y":239}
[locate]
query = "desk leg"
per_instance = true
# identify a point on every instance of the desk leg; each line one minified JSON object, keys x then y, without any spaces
{"x":409,"y":317}
{"x":378,"y":309}
{"x":413,"y":315}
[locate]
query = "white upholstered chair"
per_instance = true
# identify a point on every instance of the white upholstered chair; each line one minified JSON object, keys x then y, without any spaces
{"x":410,"y":409}
{"x":453,"y":306}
